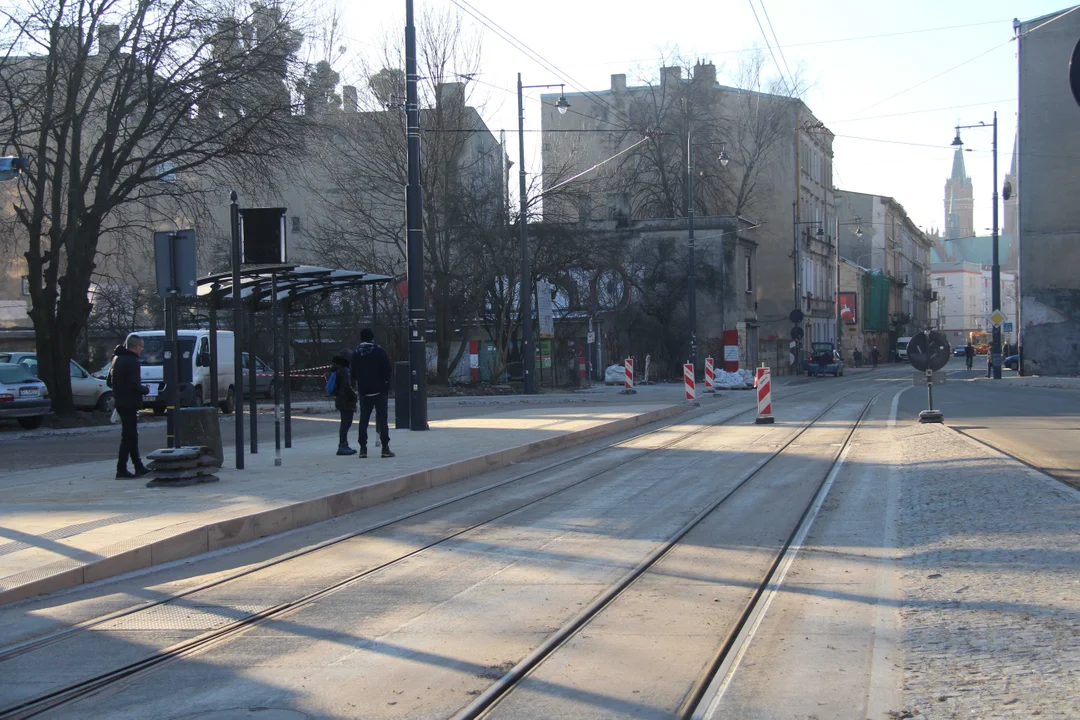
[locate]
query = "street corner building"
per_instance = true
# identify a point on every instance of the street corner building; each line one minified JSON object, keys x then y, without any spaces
{"x":1048,"y":183}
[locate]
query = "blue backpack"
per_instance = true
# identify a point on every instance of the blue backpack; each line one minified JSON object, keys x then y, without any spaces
{"x":331,"y":384}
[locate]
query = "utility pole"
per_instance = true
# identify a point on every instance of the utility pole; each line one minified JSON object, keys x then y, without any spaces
{"x":528,"y":355}
{"x":692,"y":270}
{"x":995,"y":273}
{"x":414,"y":241}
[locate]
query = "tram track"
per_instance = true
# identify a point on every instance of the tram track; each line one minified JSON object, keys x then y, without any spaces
{"x":75,"y":691}
{"x":710,"y":684}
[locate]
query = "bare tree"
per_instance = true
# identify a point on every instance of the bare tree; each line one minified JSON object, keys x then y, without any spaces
{"x":111,"y":100}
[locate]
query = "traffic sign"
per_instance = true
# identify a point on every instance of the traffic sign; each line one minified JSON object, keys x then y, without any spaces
{"x":796,"y":333}
{"x":592,"y":337}
{"x":796,"y":316}
{"x":929,"y":351}
{"x":1007,"y":327}
{"x":997,"y":317}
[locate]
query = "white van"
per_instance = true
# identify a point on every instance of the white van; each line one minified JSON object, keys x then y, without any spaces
{"x":901,"y":348}
{"x":194,"y":366}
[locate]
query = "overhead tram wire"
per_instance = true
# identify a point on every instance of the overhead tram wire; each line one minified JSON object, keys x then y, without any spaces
{"x":768,"y":44}
{"x":508,"y":37}
{"x":569,"y":111}
{"x":779,"y":48}
{"x":833,"y":41}
{"x":934,"y":77}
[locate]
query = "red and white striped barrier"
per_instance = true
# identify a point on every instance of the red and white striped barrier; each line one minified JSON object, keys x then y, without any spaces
{"x":710,"y":376}
{"x":628,"y":388}
{"x":688,"y":381}
{"x":763,"y":380}
{"x":791,"y":352}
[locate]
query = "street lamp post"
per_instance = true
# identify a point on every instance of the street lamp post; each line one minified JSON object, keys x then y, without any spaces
{"x":528,"y":355}
{"x":995,"y":271}
{"x":691,"y":261}
{"x":414,"y":237}
{"x":795,"y":223}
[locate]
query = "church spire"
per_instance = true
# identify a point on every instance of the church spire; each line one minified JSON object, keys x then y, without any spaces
{"x":958,"y":170}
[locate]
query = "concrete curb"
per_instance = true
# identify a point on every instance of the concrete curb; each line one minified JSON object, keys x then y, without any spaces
{"x":311,"y":407}
{"x":190,"y":539}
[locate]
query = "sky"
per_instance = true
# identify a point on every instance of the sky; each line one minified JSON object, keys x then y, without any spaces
{"x":890,"y":79}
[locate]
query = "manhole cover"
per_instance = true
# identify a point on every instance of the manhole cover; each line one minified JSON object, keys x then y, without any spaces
{"x":255,"y":713}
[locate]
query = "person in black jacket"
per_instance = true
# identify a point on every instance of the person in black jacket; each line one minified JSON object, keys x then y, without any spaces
{"x":125,"y":379}
{"x":371,"y":372}
{"x":344,"y":400}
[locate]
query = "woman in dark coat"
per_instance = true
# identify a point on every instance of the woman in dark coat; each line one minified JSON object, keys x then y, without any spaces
{"x":344,"y":400}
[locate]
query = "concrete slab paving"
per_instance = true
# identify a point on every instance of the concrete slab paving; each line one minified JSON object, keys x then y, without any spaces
{"x":63,"y":526}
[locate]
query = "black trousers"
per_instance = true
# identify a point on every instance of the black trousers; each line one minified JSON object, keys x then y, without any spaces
{"x":346,"y":423}
{"x":129,"y":438}
{"x":379,"y":404}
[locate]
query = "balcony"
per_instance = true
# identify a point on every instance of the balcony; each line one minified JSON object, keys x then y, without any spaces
{"x":820,"y":307}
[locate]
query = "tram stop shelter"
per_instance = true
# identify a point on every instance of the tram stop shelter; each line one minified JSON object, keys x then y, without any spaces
{"x":274,"y":289}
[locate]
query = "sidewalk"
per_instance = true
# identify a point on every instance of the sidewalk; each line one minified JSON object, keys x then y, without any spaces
{"x":69,"y":525}
{"x":1038,"y":381}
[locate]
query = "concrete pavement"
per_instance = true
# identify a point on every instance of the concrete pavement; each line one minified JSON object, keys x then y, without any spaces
{"x":68,"y":525}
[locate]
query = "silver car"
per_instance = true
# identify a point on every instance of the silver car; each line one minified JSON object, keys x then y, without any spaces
{"x":88,"y":391}
{"x":22,"y":396}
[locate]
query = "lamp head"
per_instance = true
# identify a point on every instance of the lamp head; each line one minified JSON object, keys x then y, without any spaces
{"x":562,"y":103}
{"x":820,"y":232}
{"x":723,"y":157}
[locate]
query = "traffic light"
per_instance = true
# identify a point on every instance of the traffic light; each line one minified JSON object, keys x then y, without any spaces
{"x":11,"y":167}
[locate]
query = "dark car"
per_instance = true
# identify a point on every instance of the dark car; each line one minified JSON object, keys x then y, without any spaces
{"x":22,"y":396}
{"x":959,"y":351}
{"x":1012,"y":362}
{"x":825,"y":360}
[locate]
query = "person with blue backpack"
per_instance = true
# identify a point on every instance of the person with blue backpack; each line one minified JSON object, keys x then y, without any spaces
{"x":339,"y":385}
{"x":372,"y":372}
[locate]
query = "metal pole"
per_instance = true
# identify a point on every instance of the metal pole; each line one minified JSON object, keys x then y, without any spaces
{"x":277,"y":366}
{"x":995,"y":274}
{"x":286,"y":338}
{"x":692,"y":268}
{"x":253,"y":407}
{"x":238,"y":332}
{"x":214,"y":390}
{"x":795,"y":268}
{"x":172,"y":361}
{"x":414,"y":212}
{"x":528,"y":355}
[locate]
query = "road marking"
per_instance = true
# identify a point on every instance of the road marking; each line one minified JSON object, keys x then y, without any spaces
{"x":726,"y":672}
{"x":896,"y":406}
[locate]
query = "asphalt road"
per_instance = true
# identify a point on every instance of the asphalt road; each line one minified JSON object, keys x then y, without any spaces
{"x":1041,"y":426}
{"x":50,"y":450}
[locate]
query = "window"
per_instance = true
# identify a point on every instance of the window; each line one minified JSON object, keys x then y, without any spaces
{"x":296,"y":227}
{"x":939,"y":282}
{"x":25,"y":286}
{"x":749,"y":275}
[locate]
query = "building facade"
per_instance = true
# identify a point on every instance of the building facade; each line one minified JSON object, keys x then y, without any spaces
{"x":878,"y":235}
{"x":1046,"y":184}
{"x":963,"y":302}
{"x":780,"y":174}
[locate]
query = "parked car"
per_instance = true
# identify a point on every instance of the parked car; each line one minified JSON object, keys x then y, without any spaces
{"x":1012,"y":362}
{"x":959,"y":351}
{"x":88,"y":391}
{"x":824,"y":360}
{"x":22,"y":396}
{"x":264,"y":377}
{"x":901,"y":348}
{"x":194,"y":367}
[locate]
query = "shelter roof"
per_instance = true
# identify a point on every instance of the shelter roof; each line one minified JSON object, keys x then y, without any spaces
{"x":293,"y":282}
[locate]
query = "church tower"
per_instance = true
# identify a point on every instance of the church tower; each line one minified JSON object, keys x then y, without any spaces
{"x":1012,"y":205}
{"x":959,"y":201}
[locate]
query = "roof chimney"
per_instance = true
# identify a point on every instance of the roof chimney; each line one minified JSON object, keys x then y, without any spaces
{"x":348,"y":98}
{"x":618,"y":83}
{"x":670,"y":75}
{"x":108,"y":38}
{"x":450,"y":94}
{"x":705,"y":73}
